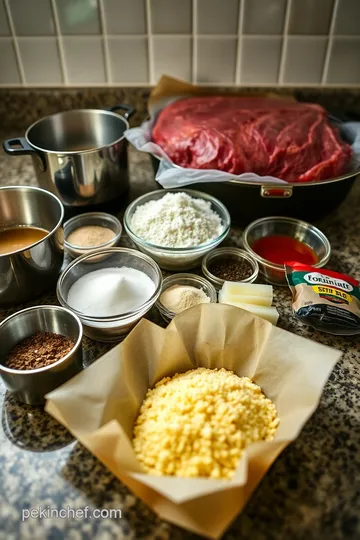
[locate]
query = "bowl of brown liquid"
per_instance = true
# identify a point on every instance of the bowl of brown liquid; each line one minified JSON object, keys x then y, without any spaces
{"x":31,"y":242}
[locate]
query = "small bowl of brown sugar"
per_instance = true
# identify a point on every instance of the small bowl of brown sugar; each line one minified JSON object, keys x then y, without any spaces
{"x":41,"y":348}
{"x":229,"y":264}
{"x":91,"y":231}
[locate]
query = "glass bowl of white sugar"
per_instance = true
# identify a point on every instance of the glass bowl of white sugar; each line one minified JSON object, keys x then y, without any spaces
{"x":110,"y":290}
{"x":177,"y":227}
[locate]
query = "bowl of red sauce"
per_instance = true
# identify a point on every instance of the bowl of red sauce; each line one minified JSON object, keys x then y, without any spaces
{"x":275,"y":240}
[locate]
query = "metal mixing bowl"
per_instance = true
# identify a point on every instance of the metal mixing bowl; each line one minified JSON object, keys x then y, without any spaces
{"x":26,"y":273}
{"x":30,"y":386}
{"x":285,"y":226}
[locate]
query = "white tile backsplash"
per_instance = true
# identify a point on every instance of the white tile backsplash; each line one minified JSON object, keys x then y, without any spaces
{"x":125,"y":16}
{"x":216,"y":60}
{"x":310,"y":16}
{"x":264,"y":16}
{"x":260,"y":60}
{"x":348,"y":17}
{"x":344,"y":66}
{"x":40,"y":60}
{"x":165,"y":50}
{"x":84,"y":59}
{"x":4,"y":24}
{"x":32,"y":18}
{"x":128,"y":60}
{"x":171,"y":16}
{"x":78,"y":16}
{"x":304,"y":60}
{"x":9,"y":73}
{"x":219,"y":42}
{"x":216,"y":17}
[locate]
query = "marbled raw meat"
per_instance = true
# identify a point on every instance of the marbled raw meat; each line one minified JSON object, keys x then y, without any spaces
{"x":281,"y":138}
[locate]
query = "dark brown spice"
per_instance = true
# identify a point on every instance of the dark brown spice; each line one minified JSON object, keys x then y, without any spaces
{"x":39,"y":350}
{"x":231,"y":269}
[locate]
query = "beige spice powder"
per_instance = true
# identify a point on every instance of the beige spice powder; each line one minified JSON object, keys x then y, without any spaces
{"x":180,"y":297}
{"x":90,"y":236}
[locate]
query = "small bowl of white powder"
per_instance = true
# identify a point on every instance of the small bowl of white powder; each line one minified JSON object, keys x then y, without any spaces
{"x":177,"y":228}
{"x":110,"y":293}
{"x":184,"y":291}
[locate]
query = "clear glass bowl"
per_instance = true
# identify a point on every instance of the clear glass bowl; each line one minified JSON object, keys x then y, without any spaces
{"x":101,"y":219}
{"x":184,"y":279}
{"x":285,"y":226}
{"x":233,"y":254}
{"x":116,"y":327}
{"x":177,"y":258}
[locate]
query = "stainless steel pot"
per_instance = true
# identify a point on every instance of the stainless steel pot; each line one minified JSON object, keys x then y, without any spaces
{"x":26,"y":273}
{"x":79,"y":155}
{"x":30,"y":386}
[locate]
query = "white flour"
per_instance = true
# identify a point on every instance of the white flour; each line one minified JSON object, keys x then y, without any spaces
{"x":110,"y":291}
{"x":176,"y":220}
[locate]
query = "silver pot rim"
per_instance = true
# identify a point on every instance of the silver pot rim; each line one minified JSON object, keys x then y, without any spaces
{"x":53,"y":230}
{"x":66,"y":113}
{"x":77,"y":344}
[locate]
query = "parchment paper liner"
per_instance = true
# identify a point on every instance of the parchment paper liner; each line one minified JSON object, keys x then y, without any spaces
{"x":100,"y":404}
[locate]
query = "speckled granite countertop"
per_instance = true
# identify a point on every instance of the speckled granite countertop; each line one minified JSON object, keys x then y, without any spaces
{"x":312,"y":491}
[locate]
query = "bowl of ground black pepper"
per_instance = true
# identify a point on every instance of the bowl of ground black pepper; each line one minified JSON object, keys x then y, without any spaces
{"x":229,"y":264}
{"x":41,"y":348}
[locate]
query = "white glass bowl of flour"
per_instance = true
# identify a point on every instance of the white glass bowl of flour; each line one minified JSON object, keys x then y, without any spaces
{"x":110,"y":293}
{"x":177,"y":227}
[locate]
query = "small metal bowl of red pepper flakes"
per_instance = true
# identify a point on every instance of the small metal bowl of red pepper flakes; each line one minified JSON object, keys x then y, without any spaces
{"x":229,"y":264}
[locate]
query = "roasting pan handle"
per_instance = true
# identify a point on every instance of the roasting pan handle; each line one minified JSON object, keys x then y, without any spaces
{"x":276,"y":192}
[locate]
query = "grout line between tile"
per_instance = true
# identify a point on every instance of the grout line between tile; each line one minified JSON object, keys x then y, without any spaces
{"x":106,"y":53}
{"x":194,"y":64}
{"x":330,"y":86}
{"x":59,"y":43}
{"x":241,"y":8}
{"x":284,"y":43}
{"x":15,"y":43}
{"x":150,"y":48}
{"x":302,"y":37}
{"x":330,"y":42}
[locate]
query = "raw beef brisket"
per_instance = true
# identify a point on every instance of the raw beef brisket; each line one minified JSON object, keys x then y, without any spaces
{"x":281,"y":138}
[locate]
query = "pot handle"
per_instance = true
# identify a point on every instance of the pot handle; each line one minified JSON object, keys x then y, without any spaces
{"x":129,"y":111}
{"x":18,"y":146}
{"x":276,"y":191}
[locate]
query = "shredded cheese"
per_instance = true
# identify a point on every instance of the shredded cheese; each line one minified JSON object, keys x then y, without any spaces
{"x":198,"y":423}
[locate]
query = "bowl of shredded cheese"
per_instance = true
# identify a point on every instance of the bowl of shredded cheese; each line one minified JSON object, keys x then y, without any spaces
{"x":199,"y":423}
{"x":177,"y":228}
